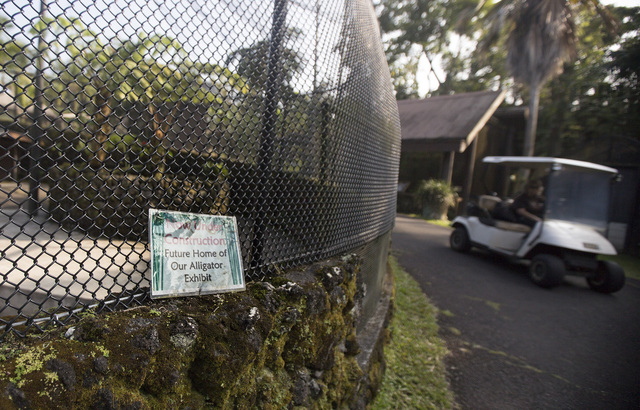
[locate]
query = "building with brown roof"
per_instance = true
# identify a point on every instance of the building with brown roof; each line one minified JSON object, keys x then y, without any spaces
{"x":443,"y":136}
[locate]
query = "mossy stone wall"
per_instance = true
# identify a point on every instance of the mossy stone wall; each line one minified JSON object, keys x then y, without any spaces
{"x":284,"y":343}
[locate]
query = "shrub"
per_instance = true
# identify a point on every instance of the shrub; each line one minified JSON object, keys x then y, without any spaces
{"x":435,"y":197}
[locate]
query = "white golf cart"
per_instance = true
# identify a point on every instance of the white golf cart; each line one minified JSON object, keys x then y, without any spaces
{"x":571,"y":234}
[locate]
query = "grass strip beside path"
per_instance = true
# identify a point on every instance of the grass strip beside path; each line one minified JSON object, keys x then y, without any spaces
{"x":415,"y":374}
{"x":630,"y":264}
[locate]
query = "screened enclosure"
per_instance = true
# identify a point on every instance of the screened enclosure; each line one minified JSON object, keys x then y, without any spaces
{"x":280,"y":113}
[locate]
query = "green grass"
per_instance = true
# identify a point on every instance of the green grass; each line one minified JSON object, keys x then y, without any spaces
{"x":630,"y":264}
{"x":445,"y":223}
{"x":415,"y":375}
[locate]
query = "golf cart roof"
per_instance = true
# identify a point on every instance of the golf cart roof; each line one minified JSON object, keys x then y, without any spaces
{"x":543,"y":162}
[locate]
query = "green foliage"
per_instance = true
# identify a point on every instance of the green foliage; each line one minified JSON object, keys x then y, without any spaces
{"x":436,"y":191}
{"x":414,"y":30}
{"x":144,"y":83}
{"x":93,"y":79}
{"x":252,"y":61}
{"x":434,"y":198}
{"x":30,"y":361}
{"x":7,"y":352}
{"x":597,"y":96}
{"x":263,"y":348}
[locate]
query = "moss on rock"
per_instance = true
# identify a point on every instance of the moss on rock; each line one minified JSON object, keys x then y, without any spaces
{"x":286,"y":342}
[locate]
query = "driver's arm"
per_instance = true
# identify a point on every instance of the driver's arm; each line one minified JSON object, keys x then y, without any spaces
{"x":527,"y":214}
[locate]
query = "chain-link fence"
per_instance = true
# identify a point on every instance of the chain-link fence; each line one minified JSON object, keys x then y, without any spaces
{"x":279,"y":112}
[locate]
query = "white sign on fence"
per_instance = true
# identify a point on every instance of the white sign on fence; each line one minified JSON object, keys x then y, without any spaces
{"x":193,"y":254}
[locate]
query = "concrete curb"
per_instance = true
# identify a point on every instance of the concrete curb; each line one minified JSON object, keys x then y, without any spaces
{"x":372,"y":341}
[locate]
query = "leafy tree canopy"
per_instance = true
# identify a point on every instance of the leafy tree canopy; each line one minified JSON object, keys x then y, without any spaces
{"x":596,"y":92}
{"x":415,"y":29}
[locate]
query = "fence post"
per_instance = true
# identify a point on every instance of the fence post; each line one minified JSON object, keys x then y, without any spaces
{"x":267,"y":135}
{"x":36,"y":130}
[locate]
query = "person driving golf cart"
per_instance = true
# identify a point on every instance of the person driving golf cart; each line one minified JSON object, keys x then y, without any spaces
{"x":567,"y":241}
{"x":528,"y":207}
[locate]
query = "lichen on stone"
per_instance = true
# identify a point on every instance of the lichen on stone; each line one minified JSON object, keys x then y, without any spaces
{"x":288,"y":340}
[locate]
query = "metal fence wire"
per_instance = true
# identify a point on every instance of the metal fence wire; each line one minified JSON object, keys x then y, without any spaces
{"x":280,"y":113}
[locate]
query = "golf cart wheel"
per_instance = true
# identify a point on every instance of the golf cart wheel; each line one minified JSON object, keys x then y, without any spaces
{"x":546,"y":270}
{"x":609,"y":278}
{"x":459,"y":240}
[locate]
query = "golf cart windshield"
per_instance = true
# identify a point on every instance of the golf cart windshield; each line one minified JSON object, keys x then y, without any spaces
{"x":579,"y":196}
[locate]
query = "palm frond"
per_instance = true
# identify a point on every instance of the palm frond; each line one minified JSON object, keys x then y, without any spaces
{"x":542,"y":40}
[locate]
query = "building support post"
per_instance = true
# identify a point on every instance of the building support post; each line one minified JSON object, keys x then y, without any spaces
{"x":447,"y":166}
{"x":468,"y":180}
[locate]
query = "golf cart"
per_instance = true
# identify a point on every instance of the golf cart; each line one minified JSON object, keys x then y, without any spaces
{"x":571,"y":234}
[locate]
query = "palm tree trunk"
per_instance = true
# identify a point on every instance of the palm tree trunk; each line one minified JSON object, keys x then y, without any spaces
{"x":559,"y":97}
{"x":532,"y":120}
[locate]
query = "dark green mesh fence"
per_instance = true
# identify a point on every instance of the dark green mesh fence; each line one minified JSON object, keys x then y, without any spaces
{"x":280,"y":113}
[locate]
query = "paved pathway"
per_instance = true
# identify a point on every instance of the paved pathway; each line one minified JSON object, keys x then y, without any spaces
{"x":517,"y":346}
{"x":40,"y":264}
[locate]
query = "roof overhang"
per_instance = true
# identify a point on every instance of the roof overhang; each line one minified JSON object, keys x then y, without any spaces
{"x":546,"y":162}
{"x":435,"y":145}
{"x":446,"y":123}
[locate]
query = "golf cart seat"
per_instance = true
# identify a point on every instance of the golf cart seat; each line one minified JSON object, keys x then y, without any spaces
{"x":489,"y":202}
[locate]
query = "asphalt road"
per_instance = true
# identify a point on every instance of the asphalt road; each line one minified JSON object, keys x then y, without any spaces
{"x":517,"y":346}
